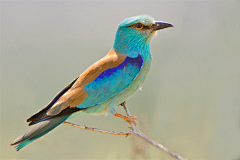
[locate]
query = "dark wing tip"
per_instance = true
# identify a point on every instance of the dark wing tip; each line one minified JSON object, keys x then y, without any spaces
{"x":14,"y":143}
{"x":41,"y":115}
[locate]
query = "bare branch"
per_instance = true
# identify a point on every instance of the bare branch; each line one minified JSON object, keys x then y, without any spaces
{"x":134,"y":131}
{"x":127,"y":133}
{"x":137,"y":133}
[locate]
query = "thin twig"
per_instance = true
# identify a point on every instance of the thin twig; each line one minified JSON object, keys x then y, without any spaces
{"x":98,"y":130}
{"x":134,"y":131}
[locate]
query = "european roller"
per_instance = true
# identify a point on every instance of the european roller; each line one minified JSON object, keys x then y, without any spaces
{"x":105,"y":84}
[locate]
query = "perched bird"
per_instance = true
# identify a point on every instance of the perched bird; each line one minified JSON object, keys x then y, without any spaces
{"x":105,"y":84}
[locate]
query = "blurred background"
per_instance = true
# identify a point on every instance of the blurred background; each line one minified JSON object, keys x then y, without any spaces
{"x":190,"y":101}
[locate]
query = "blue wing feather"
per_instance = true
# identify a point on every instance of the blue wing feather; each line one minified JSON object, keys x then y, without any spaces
{"x":111,"y":82}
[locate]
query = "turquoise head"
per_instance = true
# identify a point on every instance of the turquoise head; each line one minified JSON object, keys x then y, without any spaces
{"x":134,"y":34}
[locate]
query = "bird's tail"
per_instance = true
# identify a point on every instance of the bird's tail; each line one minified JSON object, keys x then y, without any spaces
{"x":37,"y":132}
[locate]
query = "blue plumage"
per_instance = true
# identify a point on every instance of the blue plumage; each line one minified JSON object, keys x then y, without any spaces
{"x":111,"y":82}
{"x":130,"y":41}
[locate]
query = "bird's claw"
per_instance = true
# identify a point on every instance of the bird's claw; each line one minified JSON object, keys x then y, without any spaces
{"x":128,"y":119}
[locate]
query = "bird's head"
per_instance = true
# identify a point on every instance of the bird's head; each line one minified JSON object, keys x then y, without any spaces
{"x":134,"y":34}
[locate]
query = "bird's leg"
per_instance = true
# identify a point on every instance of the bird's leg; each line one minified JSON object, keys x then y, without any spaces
{"x":126,"y":118}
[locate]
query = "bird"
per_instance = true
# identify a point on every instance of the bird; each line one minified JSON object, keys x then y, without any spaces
{"x":105,"y":84}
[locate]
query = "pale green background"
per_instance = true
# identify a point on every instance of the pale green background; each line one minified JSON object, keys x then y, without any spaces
{"x":190,"y":101}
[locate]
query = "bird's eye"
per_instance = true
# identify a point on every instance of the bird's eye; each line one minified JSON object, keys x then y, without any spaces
{"x":138,"y":25}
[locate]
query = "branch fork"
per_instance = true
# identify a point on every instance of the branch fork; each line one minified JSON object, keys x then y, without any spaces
{"x":134,"y":131}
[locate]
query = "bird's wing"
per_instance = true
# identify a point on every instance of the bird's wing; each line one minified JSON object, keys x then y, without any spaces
{"x":103,"y":80}
{"x":112,"y":81}
{"x":42,"y":113}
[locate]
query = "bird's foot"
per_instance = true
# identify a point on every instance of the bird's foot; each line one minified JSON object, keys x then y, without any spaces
{"x":127,"y":118}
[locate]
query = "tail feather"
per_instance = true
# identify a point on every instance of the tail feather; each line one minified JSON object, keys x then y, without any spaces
{"x":37,"y":132}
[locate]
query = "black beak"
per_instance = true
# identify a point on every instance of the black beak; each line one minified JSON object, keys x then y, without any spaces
{"x":160,"y":25}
